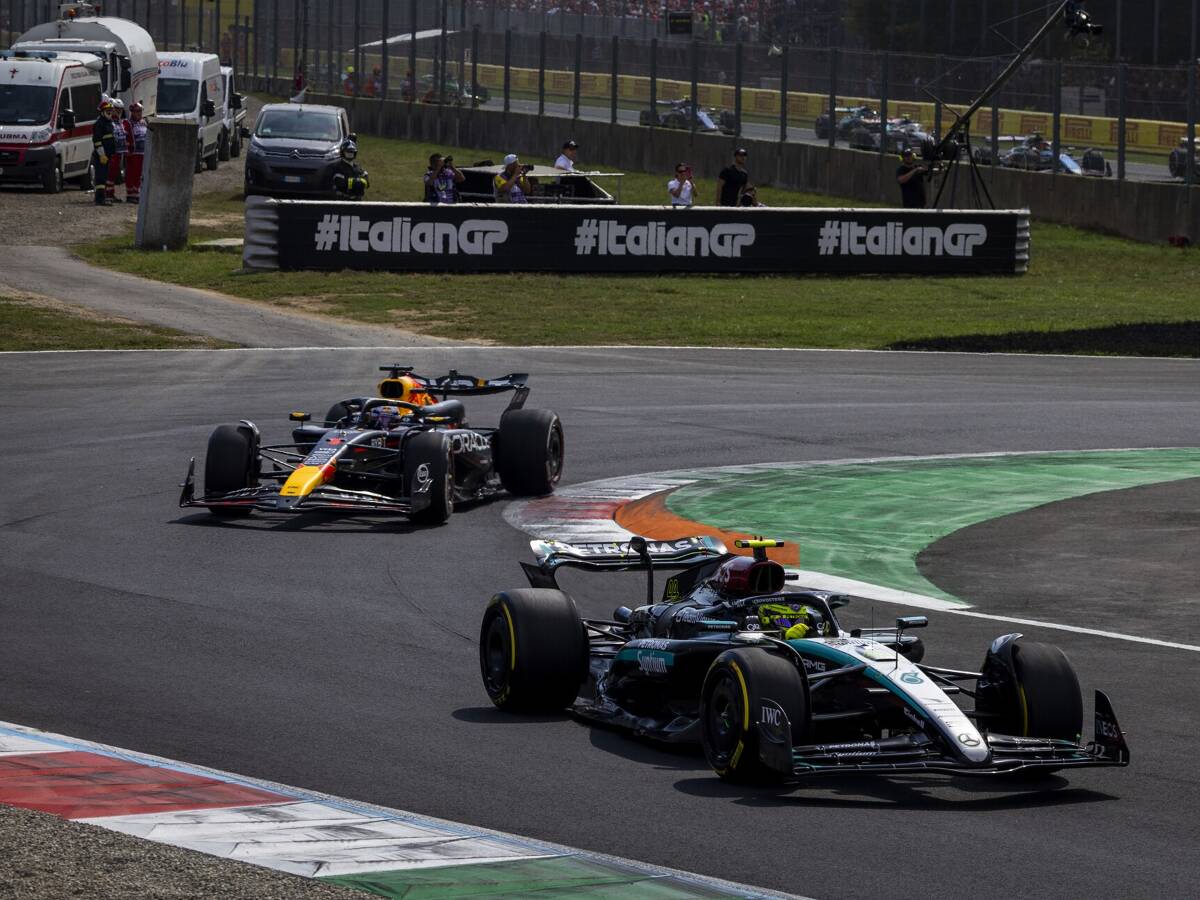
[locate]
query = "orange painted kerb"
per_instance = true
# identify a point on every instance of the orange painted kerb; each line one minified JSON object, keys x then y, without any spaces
{"x":650,"y":518}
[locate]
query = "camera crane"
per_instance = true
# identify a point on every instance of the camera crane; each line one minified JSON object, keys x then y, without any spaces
{"x":957,"y":139}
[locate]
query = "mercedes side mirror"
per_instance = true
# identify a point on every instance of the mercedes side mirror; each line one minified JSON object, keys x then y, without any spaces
{"x":906,"y":622}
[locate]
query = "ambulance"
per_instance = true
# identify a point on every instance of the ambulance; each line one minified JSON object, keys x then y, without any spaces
{"x":48,"y":102}
{"x":191,"y":90}
{"x":129,"y":68}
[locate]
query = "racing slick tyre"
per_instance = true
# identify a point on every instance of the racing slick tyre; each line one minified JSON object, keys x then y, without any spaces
{"x":1029,"y":689}
{"x":336,"y":413}
{"x":529,"y":455}
{"x":231,"y":464}
{"x":533,"y":651}
{"x":223,"y":147}
{"x":735,"y":688}
{"x":428,"y":471}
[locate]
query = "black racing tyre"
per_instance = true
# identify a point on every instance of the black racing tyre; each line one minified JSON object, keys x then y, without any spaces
{"x":231,"y":464}
{"x":223,"y":147}
{"x":428,"y":471}
{"x":52,"y":181}
{"x":336,"y":413}
{"x":735,"y":687}
{"x":533,"y":651}
{"x":529,"y":452}
{"x":1029,"y":689}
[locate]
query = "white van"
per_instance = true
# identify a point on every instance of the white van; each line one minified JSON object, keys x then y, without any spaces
{"x":233,"y":117}
{"x":191,"y":89}
{"x":48,"y":103}
{"x":125,"y":49}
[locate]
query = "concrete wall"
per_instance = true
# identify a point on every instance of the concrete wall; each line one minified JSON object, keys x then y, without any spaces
{"x":1142,"y":211}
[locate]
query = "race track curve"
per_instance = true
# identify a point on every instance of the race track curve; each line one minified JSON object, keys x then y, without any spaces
{"x":340,"y":655}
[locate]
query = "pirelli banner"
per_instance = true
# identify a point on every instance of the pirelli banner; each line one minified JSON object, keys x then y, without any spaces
{"x":411,"y":237}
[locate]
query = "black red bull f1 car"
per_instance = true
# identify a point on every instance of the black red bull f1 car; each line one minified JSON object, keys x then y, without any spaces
{"x":406,"y":451}
{"x":768,"y":681}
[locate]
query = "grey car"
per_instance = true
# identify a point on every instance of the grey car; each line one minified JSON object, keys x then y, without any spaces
{"x":293,"y":149}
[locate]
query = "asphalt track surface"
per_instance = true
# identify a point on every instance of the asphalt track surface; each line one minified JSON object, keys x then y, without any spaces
{"x":340,"y":655}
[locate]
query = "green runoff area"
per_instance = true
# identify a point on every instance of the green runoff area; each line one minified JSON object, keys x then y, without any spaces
{"x":1085,"y":293}
{"x":869,"y":520}
{"x":27,"y":323}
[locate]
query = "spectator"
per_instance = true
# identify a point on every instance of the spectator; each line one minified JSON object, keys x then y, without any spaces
{"x":749,"y":198}
{"x":510,"y":184}
{"x":681,"y":188}
{"x":733,"y":180}
{"x":441,"y":180}
{"x":350,"y":180}
{"x":349,"y":82}
{"x":566,"y":159}
{"x":911,"y":178}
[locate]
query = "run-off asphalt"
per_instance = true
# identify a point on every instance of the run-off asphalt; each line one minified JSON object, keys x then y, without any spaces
{"x":340,"y":655}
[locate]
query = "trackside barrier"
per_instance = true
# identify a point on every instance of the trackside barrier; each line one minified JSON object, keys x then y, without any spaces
{"x":416,"y":237}
{"x":1142,"y":211}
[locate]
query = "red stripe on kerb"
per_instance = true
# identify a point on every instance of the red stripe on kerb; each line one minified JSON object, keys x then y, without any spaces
{"x":79,"y":785}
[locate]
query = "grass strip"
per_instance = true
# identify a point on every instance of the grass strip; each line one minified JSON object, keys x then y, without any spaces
{"x":1085,"y":293}
{"x":28,"y":323}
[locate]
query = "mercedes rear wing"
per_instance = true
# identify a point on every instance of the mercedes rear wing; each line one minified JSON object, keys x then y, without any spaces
{"x":620,"y":556}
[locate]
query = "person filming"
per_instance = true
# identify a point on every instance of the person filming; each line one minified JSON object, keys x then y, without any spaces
{"x":911,"y":177}
{"x":510,"y":184}
{"x":442,"y":179}
{"x":681,"y":188}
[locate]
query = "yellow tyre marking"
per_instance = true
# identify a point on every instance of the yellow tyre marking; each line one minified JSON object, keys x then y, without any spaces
{"x":745,"y":697}
{"x":512,"y":638}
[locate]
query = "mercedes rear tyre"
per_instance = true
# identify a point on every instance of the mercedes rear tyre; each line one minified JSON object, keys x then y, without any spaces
{"x":529,"y":455}
{"x":533,"y":651}
{"x":429,"y":474}
{"x":231,"y":464}
{"x":734,"y":700}
{"x":1029,"y":689}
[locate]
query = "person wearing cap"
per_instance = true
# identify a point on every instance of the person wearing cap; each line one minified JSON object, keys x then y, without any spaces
{"x":510,"y":185}
{"x":911,"y":177}
{"x":566,"y":159}
{"x":733,"y":180}
{"x":103,"y":148}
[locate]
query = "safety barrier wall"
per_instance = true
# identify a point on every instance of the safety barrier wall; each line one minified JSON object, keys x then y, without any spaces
{"x":1143,"y":211}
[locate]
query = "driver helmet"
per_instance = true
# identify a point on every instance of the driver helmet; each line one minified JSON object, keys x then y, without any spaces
{"x":383,"y":418}
{"x":795,"y":620}
{"x":349,"y":149}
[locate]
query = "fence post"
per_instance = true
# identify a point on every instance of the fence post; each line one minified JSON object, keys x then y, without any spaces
{"x":412,"y":57}
{"x":1190,"y":177}
{"x":833,"y":73}
{"x":939,"y":73}
{"x":507,"y":69}
{"x":384,"y":27}
{"x":695,"y":51}
{"x":737,"y":87}
{"x":274,"y":41}
{"x":217,"y":33}
{"x":578,"y":74}
{"x":357,"y":55}
{"x":1121,"y":78}
{"x":653,"y":82}
{"x":884,"y":74}
{"x":616,"y":64}
{"x":166,"y":25}
{"x":474,"y":58}
{"x":200,"y":24}
{"x":542,"y":72}
{"x":182,"y":27}
{"x":1056,"y":116}
{"x":783,"y":95}
{"x":440,"y":65}
{"x":995,"y":154}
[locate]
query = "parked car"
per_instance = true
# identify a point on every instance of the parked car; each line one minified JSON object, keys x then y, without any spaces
{"x":293,"y":149}
{"x":233,"y":117}
{"x":190,"y":89}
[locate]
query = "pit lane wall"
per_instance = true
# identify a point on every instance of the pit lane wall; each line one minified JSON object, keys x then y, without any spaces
{"x":1142,"y":211}
{"x":416,"y":237}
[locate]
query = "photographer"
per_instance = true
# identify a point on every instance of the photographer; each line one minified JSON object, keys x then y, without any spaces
{"x":911,"y":177}
{"x":681,"y":188}
{"x":511,"y":185}
{"x":441,"y":180}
